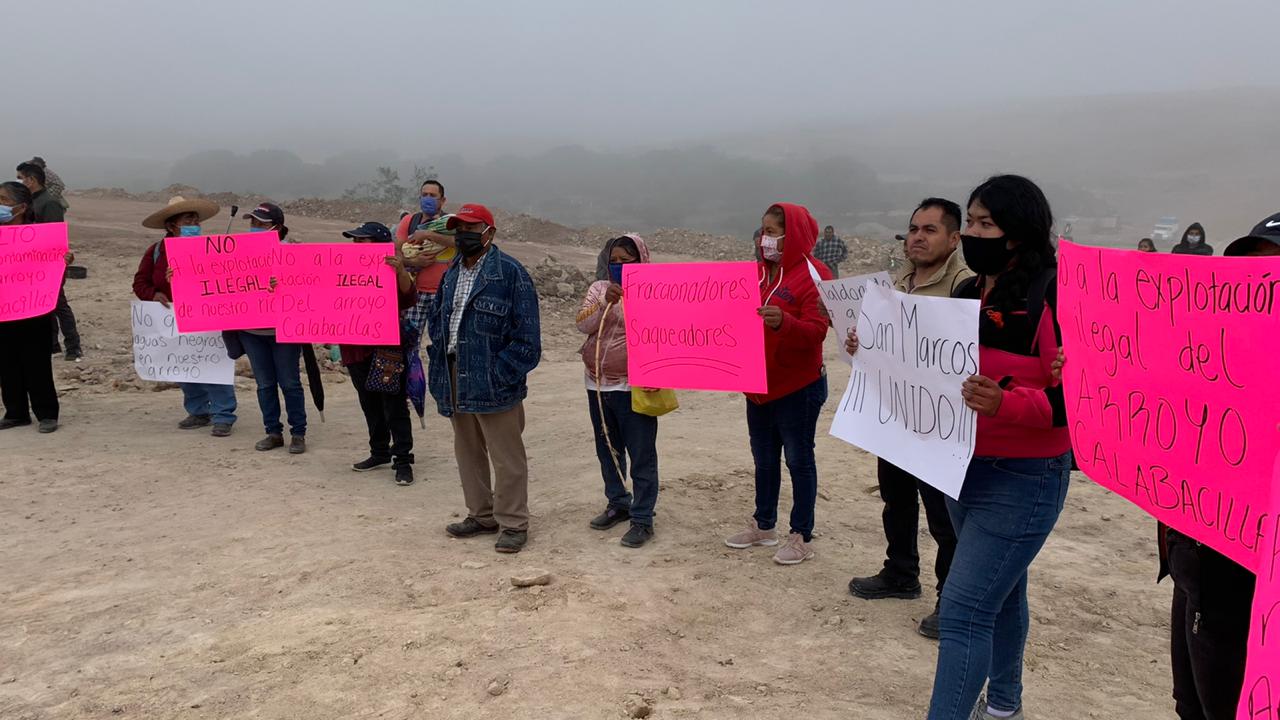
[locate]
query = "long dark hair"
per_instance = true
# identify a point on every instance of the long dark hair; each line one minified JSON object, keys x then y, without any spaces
{"x":22,"y":196}
{"x":1020,"y":209}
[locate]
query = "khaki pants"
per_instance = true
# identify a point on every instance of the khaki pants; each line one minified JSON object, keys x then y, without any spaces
{"x":497,"y":438}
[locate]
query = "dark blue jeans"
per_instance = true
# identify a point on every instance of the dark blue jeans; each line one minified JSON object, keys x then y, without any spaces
{"x":1006,"y":510}
{"x":216,"y":401}
{"x":275,"y":369}
{"x":635,"y":438}
{"x":786,"y":427}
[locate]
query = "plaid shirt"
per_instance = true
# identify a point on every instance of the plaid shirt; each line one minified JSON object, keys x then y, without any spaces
{"x":462,"y":293}
{"x":831,"y":252}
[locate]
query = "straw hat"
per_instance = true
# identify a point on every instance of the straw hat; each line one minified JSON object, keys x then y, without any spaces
{"x":179,"y":205}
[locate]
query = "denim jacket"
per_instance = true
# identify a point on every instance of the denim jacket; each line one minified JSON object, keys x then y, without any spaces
{"x":499,"y":340}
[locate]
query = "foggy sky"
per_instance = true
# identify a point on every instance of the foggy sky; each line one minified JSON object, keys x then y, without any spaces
{"x":162,"y":79}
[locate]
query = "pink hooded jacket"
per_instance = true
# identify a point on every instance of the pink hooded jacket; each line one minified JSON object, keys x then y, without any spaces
{"x":612,"y":341}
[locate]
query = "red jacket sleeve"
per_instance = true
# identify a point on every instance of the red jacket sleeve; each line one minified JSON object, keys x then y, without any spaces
{"x":143,"y":288}
{"x":809,"y":326}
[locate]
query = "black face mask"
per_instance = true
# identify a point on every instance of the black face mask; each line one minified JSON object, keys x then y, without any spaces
{"x":469,"y":243}
{"x":986,"y":256}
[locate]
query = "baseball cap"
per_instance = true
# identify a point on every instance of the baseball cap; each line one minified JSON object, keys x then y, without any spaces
{"x":1266,"y":231}
{"x":471,"y":213}
{"x":267,"y":213}
{"x":375,"y":231}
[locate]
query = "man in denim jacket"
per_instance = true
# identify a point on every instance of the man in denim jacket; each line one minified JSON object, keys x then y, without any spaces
{"x":484,"y":342}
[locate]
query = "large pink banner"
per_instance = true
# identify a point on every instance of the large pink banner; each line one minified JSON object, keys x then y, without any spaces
{"x":336,"y":293}
{"x":694,"y":326}
{"x":1170,"y":386}
{"x":222,"y":282}
{"x":32,"y":262}
{"x":1260,"y":697}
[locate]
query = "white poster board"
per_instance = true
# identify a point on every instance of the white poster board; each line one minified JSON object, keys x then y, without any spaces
{"x":843,"y":298}
{"x":903,"y":401}
{"x":161,"y":354}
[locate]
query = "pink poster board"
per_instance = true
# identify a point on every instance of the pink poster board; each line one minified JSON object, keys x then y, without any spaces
{"x":32,"y":263}
{"x":694,"y":326}
{"x":222,"y":282}
{"x":336,"y":293}
{"x":1170,"y":386}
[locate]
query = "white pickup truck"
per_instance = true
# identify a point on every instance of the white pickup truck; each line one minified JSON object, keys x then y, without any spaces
{"x":1166,"y":230}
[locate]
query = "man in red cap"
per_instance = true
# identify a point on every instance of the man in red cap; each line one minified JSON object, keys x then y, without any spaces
{"x":485,"y":340}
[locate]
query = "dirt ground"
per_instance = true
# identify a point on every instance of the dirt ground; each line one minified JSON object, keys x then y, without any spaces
{"x":148,"y":572}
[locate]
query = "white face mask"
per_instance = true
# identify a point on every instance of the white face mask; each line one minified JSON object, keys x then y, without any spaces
{"x":1195,"y":238}
{"x":769,"y":248}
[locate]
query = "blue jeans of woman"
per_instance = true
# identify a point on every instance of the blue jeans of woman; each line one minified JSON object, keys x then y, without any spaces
{"x":275,"y":370}
{"x":1007,"y":508}
{"x":634,"y":437}
{"x":786,"y":427}
{"x":214,"y":401}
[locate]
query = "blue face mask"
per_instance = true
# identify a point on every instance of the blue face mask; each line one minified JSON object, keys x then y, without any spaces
{"x":615,"y":273}
{"x":258,"y":229}
{"x":189,"y":231}
{"x":429,"y":205}
{"x":6,"y":214}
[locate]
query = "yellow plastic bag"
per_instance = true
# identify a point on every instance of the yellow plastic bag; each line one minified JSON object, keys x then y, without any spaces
{"x":653,"y":404}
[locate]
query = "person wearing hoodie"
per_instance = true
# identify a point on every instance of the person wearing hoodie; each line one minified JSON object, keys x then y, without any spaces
{"x":621,"y":433}
{"x":783,"y":420}
{"x":1193,"y":242}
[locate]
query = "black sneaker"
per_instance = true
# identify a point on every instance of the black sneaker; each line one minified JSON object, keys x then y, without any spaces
{"x":48,"y":426}
{"x":637,"y":536}
{"x":610,"y":517}
{"x":877,"y":587}
{"x":929,"y":625}
{"x":6,"y":423}
{"x":404,"y":475}
{"x":470,"y":528}
{"x":511,"y":541}
{"x":73,"y":356}
{"x":370,"y":463}
{"x":191,"y":422}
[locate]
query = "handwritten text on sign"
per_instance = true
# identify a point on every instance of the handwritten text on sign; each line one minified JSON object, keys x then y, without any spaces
{"x":903,"y":401}
{"x":1170,"y":386}
{"x":161,"y":354}
{"x":336,"y":293}
{"x":222,"y":282}
{"x":32,"y":262}
{"x":843,"y":300}
{"x":694,"y":326}
{"x":1260,"y":698}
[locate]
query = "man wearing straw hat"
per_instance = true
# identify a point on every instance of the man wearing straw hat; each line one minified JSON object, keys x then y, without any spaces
{"x":205,"y":404}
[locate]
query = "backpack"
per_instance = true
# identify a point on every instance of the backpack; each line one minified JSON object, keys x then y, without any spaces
{"x":1043,"y":291}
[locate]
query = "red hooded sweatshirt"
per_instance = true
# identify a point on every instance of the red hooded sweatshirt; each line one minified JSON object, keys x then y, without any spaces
{"x":793,"y":352}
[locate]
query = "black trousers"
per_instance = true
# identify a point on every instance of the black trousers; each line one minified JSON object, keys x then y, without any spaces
{"x":387,"y":416}
{"x":26,"y":370}
{"x":899,"y":490}
{"x":63,"y":316}
{"x":1212,"y":600}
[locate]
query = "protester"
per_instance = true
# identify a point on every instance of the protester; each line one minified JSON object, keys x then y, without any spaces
{"x":1146,"y":245}
{"x":26,"y":373}
{"x":1212,"y":594}
{"x":1193,"y":242}
{"x":1017,"y":482}
{"x":386,"y":413}
{"x":935,"y":268}
{"x":784,"y":420}
{"x":204,"y":403}
{"x":831,"y":250}
{"x":53,"y":183}
{"x":275,"y":364}
{"x":621,"y":433}
{"x":485,"y":340}
{"x":49,"y":208}
{"x":427,"y":246}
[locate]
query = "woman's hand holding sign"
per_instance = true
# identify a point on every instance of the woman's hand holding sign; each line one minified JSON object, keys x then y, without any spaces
{"x":772,"y":315}
{"x":851,"y":342}
{"x":982,"y":394}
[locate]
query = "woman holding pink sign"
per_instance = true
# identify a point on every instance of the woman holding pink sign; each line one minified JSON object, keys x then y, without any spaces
{"x":26,"y":368}
{"x":783,"y":421}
